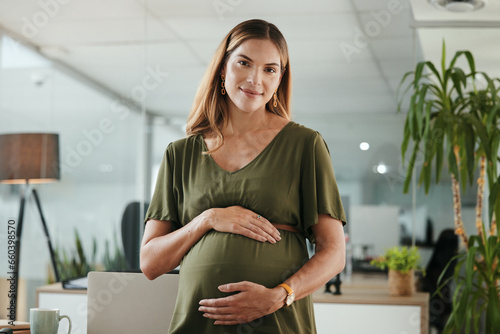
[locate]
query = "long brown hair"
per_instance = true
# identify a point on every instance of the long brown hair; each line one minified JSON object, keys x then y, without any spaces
{"x":209,"y":110}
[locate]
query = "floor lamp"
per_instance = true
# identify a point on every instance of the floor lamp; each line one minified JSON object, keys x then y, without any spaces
{"x":29,"y":158}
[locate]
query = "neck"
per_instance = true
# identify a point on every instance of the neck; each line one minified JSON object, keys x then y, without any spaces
{"x":240,"y":122}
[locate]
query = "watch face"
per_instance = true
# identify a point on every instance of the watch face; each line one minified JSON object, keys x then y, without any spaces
{"x":290,"y":299}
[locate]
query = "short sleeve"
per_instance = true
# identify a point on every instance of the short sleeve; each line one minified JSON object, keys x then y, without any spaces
{"x":164,"y":204}
{"x":319,"y":191}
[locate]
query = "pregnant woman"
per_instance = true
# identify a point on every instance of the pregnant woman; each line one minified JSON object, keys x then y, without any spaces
{"x":236,"y":199}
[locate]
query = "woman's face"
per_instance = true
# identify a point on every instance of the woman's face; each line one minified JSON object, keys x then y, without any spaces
{"x":252,"y":74}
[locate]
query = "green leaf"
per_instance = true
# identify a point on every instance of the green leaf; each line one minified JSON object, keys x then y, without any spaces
{"x":469,"y":269}
{"x":443,"y":58}
{"x":495,"y":147}
{"x":425,"y":176}
{"x":409,"y":170}
{"x":475,"y":301}
{"x":418,"y":74}
{"x":406,"y":140}
{"x":470,"y":59}
{"x":452,"y":161}
{"x":434,"y":71}
{"x":412,"y":120}
{"x":402,"y":259}
{"x":491,"y":120}
{"x":463,"y":167}
{"x":419,"y":111}
{"x":438,"y":136}
{"x":427,"y":171}
{"x":492,"y":311}
{"x":494,"y":200}
{"x":427,"y":125}
{"x":459,"y":80}
{"x":470,"y":144}
{"x":481,"y":132}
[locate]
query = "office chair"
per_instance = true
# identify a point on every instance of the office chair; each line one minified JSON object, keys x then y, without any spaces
{"x":440,"y":306}
{"x":132,"y":224}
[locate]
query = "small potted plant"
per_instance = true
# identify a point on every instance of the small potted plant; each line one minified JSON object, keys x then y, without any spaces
{"x":401,"y":262}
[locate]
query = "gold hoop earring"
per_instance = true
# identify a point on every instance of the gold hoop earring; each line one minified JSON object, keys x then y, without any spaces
{"x":223,"y":85}
{"x":275,"y":102}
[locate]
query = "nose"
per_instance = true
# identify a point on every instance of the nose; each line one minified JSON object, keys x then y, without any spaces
{"x":254,"y":77}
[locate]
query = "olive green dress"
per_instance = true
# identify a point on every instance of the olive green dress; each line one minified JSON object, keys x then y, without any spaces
{"x":290,"y":182}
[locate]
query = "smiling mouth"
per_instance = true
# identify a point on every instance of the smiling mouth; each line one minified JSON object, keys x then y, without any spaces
{"x":250,"y":92}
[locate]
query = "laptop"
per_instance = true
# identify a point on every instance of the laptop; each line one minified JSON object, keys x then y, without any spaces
{"x":119,"y":302}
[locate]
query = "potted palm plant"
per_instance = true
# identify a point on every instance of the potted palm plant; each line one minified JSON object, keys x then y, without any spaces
{"x":401,"y":263}
{"x":450,"y":118}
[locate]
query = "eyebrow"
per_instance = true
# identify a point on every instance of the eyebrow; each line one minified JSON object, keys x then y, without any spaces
{"x":250,"y":59}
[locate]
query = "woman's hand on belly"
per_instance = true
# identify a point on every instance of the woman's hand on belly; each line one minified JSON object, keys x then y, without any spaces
{"x":252,"y":301}
{"x":239,"y":220}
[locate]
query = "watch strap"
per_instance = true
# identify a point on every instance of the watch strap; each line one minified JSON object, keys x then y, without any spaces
{"x":288,"y":289}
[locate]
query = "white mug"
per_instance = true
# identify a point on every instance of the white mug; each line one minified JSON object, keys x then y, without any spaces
{"x":46,"y":321}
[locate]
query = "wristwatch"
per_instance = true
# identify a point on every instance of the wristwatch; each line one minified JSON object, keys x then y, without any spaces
{"x":290,"y":297}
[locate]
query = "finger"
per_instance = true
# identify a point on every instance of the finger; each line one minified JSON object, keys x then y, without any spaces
{"x":234,"y":287}
{"x":261,"y":222}
{"x":215,"y":311}
{"x":265,"y":224}
{"x":266,"y":227}
{"x":228,"y":323}
{"x":217,"y":302}
{"x":249,"y":233}
{"x":257,"y":230}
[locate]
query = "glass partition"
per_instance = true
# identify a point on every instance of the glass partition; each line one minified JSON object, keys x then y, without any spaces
{"x":101,"y":167}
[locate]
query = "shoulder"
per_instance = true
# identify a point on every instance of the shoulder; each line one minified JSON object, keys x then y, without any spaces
{"x":299,"y":132}
{"x":184,"y":148}
{"x":183,"y":144}
{"x":308,"y":140}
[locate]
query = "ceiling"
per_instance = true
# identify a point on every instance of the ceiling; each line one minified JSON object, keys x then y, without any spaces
{"x":347,"y":59}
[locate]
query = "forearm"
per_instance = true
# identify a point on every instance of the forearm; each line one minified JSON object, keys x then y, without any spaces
{"x":316,"y":272}
{"x":163,"y":253}
{"x":328,"y":260}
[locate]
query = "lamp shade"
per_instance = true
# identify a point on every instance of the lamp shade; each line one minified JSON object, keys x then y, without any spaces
{"x":32,"y":157}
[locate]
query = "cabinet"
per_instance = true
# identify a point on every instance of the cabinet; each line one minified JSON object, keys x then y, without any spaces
{"x":366,"y":307}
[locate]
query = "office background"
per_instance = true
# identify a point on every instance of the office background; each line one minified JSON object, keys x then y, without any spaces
{"x":116,"y":80}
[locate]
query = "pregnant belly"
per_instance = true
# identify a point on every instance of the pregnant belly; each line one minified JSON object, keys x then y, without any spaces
{"x":220,"y":258}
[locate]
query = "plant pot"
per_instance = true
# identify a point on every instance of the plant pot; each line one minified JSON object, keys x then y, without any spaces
{"x":401,"y":284}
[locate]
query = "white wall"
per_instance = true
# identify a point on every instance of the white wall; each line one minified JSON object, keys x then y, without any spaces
{"x":374,"y":226}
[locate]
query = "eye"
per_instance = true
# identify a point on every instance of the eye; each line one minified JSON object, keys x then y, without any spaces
{"x":243,"y":62}
{"x":271,"y":70}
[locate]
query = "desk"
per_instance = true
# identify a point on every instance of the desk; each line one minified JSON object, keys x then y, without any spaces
{"x":364,"y":307}
{"x":19,"y":327}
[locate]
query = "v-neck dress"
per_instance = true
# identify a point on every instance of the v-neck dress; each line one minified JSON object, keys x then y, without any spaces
{"x":290,"y":182}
